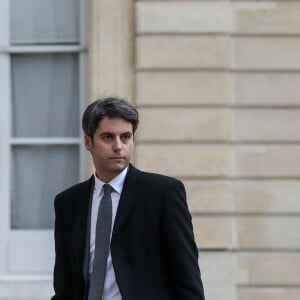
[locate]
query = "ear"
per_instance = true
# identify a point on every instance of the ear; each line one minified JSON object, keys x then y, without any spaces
{"x":88,"y":142}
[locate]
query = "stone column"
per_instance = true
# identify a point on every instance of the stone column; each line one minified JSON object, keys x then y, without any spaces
{"x":111,"y":30}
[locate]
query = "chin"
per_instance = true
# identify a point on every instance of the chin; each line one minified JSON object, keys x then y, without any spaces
{"x":118,"y":168}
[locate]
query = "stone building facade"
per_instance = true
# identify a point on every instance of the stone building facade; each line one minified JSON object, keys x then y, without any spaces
{"x":217,"y":85}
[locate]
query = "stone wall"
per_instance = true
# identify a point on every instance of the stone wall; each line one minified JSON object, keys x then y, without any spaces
{"x":217,"y":84}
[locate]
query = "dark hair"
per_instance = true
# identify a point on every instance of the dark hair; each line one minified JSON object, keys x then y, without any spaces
{"x":111,"y":107}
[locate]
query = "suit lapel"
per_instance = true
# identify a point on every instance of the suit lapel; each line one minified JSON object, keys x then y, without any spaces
{"x":128,"y":197}
{"x":81,"y":226}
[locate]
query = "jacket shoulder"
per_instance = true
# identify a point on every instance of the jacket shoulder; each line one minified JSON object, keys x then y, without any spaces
{"x":74,"y":191}
{"x":158,"y":180}
{"x":75,"y":188}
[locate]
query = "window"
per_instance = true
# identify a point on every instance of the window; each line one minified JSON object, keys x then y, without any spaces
{"x":43,"y":71}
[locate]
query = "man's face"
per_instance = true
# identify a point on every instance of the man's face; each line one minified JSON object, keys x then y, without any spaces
{"x":111,"y":147}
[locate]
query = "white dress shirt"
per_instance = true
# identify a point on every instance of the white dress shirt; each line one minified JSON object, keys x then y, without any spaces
{"x":111,"y":290}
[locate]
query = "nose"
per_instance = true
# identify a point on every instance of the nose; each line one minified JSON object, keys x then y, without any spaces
{"x":117,"y":145}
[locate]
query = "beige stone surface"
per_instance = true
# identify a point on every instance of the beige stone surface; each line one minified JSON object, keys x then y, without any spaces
{"x":183,"y":16}
{"x":247,"y":233}
{"x":184,"y":160}
{"x":266,"y":53}
{"x":267,"y":17}
{"x":206,"y":161}
{"x":210,"y":196}
{"x":218,"y":267}
{"x":214,"y":233}
{"x":181,"y":51}
{"x":184,"y":124}
{"x":110,"y":48}
{"x":271,"y":293}
{"x":267,"y":196}
{"x":246,"y":17}
{"x":268,"y":269}
{"x":266,"y":161}
{"x":203,"y":124}
{"x":267,"y":89}
{"x":220,"y":292}
{"x":266,"y":125}
{"x":218,"y":274}
{"x":184,"y":88}
{"x":243,"y":196}
{"x":268,"y":233}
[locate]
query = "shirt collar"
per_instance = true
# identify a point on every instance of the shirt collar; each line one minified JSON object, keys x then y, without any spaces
{"x":116,"y":183}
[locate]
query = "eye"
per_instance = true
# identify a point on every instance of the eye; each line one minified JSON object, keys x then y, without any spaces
{"x":126,"y":137}
{"x":107,"y":137}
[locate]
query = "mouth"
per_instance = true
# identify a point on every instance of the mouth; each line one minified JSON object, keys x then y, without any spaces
{"x":117,"y":158}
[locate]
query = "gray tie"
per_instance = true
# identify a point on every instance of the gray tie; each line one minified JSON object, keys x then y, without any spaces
{"x":103,"y":231}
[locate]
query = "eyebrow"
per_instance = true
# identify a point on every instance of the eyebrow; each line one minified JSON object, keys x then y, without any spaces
{"x":110,"y":133}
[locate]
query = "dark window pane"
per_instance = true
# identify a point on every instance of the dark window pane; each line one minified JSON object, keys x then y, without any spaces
{"x":45,"y":95}
{"x":38,"y":174}
{"x":44,"y":21}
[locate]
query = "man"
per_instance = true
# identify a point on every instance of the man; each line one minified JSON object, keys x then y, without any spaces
{"x":151,"y":253}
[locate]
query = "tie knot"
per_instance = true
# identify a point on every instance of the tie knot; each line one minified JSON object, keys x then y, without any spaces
{"x":107,"y":189}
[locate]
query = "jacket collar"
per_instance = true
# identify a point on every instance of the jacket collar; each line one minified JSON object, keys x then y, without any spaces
{"x":128,"y":197}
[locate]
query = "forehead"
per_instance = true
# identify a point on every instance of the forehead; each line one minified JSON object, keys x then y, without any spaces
{"x":114,"y":125}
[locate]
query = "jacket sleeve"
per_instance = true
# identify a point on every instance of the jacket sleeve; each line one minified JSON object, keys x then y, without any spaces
{"x":180,"y":246}
{"x":61,"y":275}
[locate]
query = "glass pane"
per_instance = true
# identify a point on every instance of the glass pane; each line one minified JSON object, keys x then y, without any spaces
{"x":45,"y":95}
{"x":44,"y":21}
{"x":38,"y":174}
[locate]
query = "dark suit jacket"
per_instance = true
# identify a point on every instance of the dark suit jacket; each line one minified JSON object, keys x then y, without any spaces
{"x":153,"y":249}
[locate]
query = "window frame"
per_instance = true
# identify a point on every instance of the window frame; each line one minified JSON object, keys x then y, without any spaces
{"x":37,"y":255}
